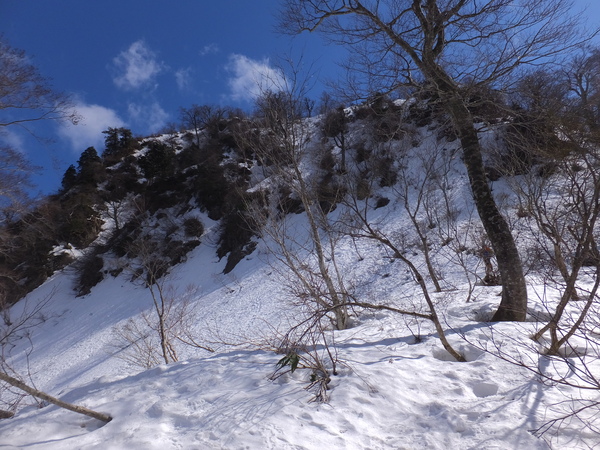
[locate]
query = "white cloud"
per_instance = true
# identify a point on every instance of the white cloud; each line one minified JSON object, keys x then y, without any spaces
{"x":150,"y":118}
{"x":136,"y":67}
{"x":250,"y":78}
{"x":209,"y":49}
{"x":88,"y":132}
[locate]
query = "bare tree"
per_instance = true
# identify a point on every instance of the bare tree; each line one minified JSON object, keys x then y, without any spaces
{"x":565,"y":209}
{"x":116,"y":211}
{"x":15,"y":172}
{"x":561,"y":194}
{"x":150,"y":269}
{"x":583,"y":78}
{"x":443,"y":205}
{"x":25,"y":95}
{"x":145,"y":340}
{"x":157,"y":334}
{"x":415,"y":190}
{"x":453,"y":46}
{"x":335,"y":125}
{"x":202,"y":120}
{"x":282,"y":148}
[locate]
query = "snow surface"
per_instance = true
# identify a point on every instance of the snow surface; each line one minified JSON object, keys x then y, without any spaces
{"x":390,"y":392}
{"x":395,"y":388}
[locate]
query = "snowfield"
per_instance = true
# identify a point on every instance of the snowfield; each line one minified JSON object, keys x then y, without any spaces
{"x":391,"y":392}
{"x":394,"y":386}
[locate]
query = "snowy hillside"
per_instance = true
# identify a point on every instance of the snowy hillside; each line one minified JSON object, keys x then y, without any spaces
{"x":390,"y":392}
{"x":392,"y":386}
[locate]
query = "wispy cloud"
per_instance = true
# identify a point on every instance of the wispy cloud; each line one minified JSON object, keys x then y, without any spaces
{"x":250,"y":78}
{"x":88,"y":132}
{"x":149,"y":117}
{"x":136,"y":67}
{"x":183,"y":77}
{"x":209,"y":49}
{"x":12,"y":139}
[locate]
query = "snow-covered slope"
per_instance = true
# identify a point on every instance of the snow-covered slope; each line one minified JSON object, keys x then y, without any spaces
{"x":390,"y":392}
{"x":395,"y":387}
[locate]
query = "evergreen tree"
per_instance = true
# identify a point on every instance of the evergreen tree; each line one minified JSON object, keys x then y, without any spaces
{"x":119,"y":143}
{"x":158,"y":160}
{"x":69,"y":178}
{"x":90,"y":167}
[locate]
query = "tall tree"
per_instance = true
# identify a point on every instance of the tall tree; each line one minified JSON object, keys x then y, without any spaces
{"x":453,"y":46}
{"x":69,"y":178}
{"x":89,"y":167}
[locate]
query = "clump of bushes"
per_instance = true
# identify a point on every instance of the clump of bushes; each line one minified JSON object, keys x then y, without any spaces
{"x":193,"y":227}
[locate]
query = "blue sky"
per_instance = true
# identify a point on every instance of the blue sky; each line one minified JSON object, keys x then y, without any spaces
{"x":134,"y":63}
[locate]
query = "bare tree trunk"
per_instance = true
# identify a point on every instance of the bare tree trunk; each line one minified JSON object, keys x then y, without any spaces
{"x":341,"y":313}
{"x":513,"y":305}
{"x":167,"y":351}
{"x":39,"y":394}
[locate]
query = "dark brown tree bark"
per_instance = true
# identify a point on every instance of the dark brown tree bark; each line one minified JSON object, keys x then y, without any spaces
{"x":513,"y":306}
